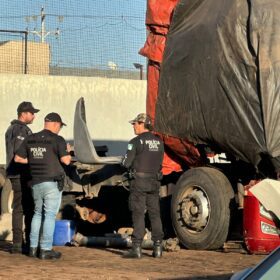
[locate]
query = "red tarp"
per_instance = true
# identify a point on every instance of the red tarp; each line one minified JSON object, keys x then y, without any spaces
{"x":159,"y":12}
{"x":158,"y":19}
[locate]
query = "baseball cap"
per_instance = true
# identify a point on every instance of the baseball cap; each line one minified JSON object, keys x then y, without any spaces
{"x":54,"y":117}
{"x":26,"y":106}
{"x":142,"y":117}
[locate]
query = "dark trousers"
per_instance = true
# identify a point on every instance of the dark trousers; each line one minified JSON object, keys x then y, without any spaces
{"x":139,"y":201}
{"x":23,"y":206}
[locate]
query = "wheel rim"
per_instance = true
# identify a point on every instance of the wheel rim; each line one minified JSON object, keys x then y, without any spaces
{"x":194,"y":209}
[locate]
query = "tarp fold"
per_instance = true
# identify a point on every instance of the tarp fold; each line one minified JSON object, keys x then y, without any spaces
{"x":219,"y":78}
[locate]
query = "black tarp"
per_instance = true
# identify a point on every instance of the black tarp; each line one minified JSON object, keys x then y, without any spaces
{"x":219,"y":81}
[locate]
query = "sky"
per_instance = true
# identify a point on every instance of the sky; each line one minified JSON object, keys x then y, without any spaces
{"x":92,"y":33}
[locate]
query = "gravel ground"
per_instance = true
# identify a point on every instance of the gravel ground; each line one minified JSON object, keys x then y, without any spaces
{"x":107,"y":263}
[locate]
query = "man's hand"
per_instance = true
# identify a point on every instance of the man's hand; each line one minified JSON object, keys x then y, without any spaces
{"x":68,"y":148}
{"x":20,"y":159}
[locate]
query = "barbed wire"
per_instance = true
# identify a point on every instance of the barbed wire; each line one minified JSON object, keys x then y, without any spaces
{"x":70,"y":16}
{"x":80,"y":39}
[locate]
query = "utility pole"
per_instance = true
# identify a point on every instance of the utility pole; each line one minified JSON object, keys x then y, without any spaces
{"x":43,"y":33}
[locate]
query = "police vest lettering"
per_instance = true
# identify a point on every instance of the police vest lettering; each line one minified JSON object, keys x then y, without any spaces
{"x":38,"y":152}
{"x":153,"y":144}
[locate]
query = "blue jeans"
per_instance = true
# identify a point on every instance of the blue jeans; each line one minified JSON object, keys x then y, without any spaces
{"x":47,"y":199}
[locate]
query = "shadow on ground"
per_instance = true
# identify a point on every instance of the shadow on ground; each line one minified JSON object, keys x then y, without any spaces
{"x":5,"y":245}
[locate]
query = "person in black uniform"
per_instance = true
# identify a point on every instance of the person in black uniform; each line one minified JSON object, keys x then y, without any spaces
{"x":19,"y":176}
{"x":45,"y":152}
{"x":144,"y":159}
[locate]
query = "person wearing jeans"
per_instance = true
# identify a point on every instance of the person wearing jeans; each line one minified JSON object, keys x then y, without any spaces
{"x":48,"y":195}
{"x":45,"y":152}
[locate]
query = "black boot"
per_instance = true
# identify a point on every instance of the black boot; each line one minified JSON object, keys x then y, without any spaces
{"x":157,"y":250}
{"x":33,"y":253}
{"x":49,"y":255}
{"x":134,"y":253}
{"x":16,"y":248}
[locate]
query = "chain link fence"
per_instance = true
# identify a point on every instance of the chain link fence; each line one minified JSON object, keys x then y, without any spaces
{"x":93,"y":38}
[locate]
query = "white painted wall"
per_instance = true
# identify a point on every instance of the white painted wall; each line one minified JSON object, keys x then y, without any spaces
{"x":110,"y":104}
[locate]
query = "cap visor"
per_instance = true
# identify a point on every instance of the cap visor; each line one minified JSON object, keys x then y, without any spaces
{"x":34,"y":110}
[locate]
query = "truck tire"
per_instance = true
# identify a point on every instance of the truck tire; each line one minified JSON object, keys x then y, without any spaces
{"x":7,"y":195}
{"x":200,"y":208}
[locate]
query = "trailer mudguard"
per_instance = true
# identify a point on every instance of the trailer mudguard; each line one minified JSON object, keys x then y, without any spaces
{"x":83,"y":146}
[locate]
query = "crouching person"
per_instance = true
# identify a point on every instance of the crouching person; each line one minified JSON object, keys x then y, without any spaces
{"x":45,"y":152}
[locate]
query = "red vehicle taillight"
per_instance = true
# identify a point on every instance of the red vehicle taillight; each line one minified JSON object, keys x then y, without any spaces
{"x":261,"y":233}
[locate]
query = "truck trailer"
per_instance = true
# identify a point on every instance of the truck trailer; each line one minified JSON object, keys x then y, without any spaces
{"x":213,"y":95}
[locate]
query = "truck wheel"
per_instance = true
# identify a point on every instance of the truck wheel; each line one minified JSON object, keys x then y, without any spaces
{"x":200,"y":208}
{"x":7,"y":196}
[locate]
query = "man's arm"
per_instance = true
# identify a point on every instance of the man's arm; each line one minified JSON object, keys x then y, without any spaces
{"x":66,"y":159}
{"x":20,"y":132}
{"x":21,"y":154}
{"x":130,"y":154}
{"x":64,"y":151}
{"x":20,"y":159}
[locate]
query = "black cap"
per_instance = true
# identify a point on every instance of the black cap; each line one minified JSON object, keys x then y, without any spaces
{"x":54,"y":117}
{"x":26,"y":107}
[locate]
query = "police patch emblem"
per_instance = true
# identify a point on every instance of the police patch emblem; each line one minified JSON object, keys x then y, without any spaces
{"x":20,"y":137}
{"x":129,"y":147}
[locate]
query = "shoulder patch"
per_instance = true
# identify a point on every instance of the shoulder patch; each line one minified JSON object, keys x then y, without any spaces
{"x":129,"y":147}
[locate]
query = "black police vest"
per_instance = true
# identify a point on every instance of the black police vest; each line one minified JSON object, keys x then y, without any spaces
{"x":43,"y":157}
{"x":149,"y":154}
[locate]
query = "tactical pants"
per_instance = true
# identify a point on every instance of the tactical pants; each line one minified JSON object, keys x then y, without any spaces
{"x":141,"y":198}
{"x":23,"y":205}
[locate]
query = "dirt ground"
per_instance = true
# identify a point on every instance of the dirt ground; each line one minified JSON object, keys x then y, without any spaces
{"x":107,"y":263}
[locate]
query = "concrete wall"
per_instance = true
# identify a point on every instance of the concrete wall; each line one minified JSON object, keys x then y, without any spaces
{"x":110,"y":103}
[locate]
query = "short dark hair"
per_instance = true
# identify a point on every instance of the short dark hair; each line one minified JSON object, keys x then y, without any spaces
{"x":148,"y":126}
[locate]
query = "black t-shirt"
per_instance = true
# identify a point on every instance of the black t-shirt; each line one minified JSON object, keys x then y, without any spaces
{"x":15,"y":135}
{"x":144,"y":153}
{"x":44,"y":150}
